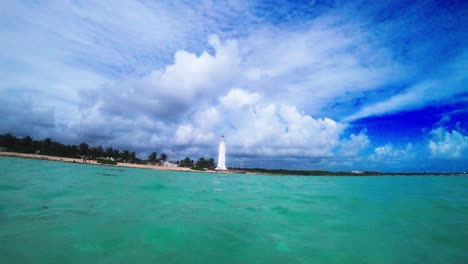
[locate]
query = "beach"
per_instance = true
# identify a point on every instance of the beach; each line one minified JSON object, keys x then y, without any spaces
{"x":72,"y":160}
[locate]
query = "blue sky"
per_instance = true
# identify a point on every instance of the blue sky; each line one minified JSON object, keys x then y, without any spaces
{"x":336,"y":85}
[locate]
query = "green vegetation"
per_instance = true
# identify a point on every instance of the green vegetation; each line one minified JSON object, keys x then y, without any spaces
{"x":197,"y":168}
{"x":106,"y":161}
{"x":163,"y":157}
{"x":201,"y":165}
{"x":153,"y":158}
{"x":47,"y":146}
{"x":205,"y":163}
{"x":187,"y":163}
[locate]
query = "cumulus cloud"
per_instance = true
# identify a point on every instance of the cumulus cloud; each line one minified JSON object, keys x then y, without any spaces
{"x":448,"y":145}
{"x":355,"y":144}
{"x":192,"y":84}
{"x":254,"y":126}
{"x":391,"y":154}
{"x":166,"y":93}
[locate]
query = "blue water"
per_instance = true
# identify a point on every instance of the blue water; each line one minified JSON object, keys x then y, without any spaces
{"x":54,"y":212}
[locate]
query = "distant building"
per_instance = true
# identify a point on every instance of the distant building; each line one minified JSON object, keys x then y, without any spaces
{"x":169,"y":164}
{"x":366,"y":172}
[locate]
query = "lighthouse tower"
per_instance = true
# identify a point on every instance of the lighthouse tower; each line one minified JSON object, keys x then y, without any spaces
{"x":222,"y":155}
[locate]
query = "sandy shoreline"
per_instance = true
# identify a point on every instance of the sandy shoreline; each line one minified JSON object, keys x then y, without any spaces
{"x":71,"y":160}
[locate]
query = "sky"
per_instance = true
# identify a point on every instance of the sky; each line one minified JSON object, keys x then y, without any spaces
{"x":329,"y":85}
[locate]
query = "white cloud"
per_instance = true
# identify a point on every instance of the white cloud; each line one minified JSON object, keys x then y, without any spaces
{"x":448,"y":145}
{"x":239,"y":98}
{"x":254,"y":126}
{"x":356,"y":143}
{"x":124,"y":58}
{"x":311,"y":67}
{"x":452,"y":81}
{"x":390,"y":154}
{"x":182,"y":86}
{"x":293,"y":68}
{"x":186,"y":135}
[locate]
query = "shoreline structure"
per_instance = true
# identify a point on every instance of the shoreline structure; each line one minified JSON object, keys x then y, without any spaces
{"x":157,"y":167}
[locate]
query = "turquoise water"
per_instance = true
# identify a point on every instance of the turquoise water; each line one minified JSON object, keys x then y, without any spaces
{"x":53,"y":212}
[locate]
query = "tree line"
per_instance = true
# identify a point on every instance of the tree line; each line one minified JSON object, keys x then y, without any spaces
{"x":47,"y":146}
{"x":200,"y":164}
{"x":50,"y":147}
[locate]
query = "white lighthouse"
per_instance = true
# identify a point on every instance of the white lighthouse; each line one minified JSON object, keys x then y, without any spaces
{"x":222,"y":155}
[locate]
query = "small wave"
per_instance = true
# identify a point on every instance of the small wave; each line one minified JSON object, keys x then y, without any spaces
{"x":113,"y":169}
{"x":219,"y":200}
{"x":156,"y":187}
{"x":105,"y":174}
{"x":5,"y":187}
{"x":281,"y":210}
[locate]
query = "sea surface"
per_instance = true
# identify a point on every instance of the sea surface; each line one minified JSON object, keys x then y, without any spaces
{"x":54,"y":212}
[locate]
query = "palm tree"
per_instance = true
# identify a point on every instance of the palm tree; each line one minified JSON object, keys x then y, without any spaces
{"x":73,"y":150}
{"x":109,"y":152}
{"x":96,"y":152}
{"x":211,"y":163}
{"x":153,"y":157}
{"x":84,"y":149}
{"x":27,"y":140}
{"x":27,"y":145}
{"x":125,"y":156}
{"x":201,"y":163}
{"x":46,"y":144}
{"x":116,"y":154}
{"x":163,"y":157}
{"x":187,"y":162}
{"x":132,"y":157}
{"x":7,"y":140}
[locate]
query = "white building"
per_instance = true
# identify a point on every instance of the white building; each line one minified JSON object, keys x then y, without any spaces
{"x":169,"y":164}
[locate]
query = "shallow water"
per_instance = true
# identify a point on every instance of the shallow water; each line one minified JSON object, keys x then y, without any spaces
{"x":53,"y":212}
